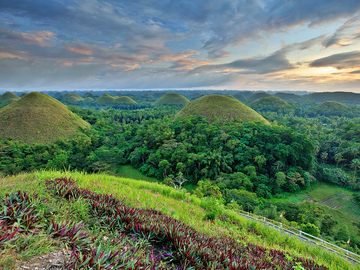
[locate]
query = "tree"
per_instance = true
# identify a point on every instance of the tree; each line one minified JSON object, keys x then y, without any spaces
{"x":355,"y":164}
{"x":338,"y":158}
{"x":177,"y":182}
{"x":311,"y":229}
{"x":324,"y":156}
{"x":280,"y":178}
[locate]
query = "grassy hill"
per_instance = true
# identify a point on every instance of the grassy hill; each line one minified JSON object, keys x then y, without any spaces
{"x":240,"y":97}
{"x":72,"y":98}
{"x":124,"y":99}
{"x":273,"y":104}
{"x":331,"y":105}
{"x":153,"y":225}
{"x":289,"y":97}
{"x":257,"y":96}
{"x":172,"y":98}
{"x":214,"y":107}
{"x":343,"y":97}
{"x":38,"y":118}
{"x":7,"y":99}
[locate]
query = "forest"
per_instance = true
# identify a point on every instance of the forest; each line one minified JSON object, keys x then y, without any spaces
{"x":249,"y":166}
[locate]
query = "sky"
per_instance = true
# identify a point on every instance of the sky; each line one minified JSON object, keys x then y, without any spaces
{"x":277,"y":45}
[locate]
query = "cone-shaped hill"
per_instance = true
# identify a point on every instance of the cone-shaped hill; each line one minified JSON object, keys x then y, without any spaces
{"x":8,"y":98}
{"x":106,"y":98}
{"x":124,"y":99}
{"x":38,"y":118}
{"x":257,"y":96}
{"x":71,"y":98}
{"x":172,"y":98}
{"x":332,"y":105}
{"x":240,"y":97}
{"x":272,"y":104}
{"x":226,"y":109}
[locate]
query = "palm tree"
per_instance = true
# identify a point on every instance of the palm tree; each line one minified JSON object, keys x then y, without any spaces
{"x":324,"y":156}
{"x":355,"y":164}
{"x":338,"y":158}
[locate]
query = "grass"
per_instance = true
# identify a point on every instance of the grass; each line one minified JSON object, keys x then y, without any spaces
{"x":270,"y":103}
{"x":106,"y":98}
{"x":178,"y":204}
{"x":257,"y":96}
{"x":124,"y":99}
{"x":334,"y":200}
{"x":38,"y":118}
{"x":226,"y":109}
{"x":128,"y":171}
{"x":172,"y":98}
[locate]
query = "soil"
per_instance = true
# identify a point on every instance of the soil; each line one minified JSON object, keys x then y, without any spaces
{"x":52,"y":260}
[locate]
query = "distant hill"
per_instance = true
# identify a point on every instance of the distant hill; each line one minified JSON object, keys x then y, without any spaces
{"x":58,"y":95}
{"x":240,"y":97}
{"x":343,"y":97}
{"x":333,"y":108}
{"x":172,"y":98}
{"x":72,"y":98}
{"x":332,"y":105}
{"x":257,"y":96}
{"x":38,"y":118}
{"x":272,"y":104}
{"x":7,"y":99}
{"x":214,"y":107}
{"x":88,"y":99}
{"x":289,"y":97}
{"x":106,"y":98}
{"x":124,"y":99}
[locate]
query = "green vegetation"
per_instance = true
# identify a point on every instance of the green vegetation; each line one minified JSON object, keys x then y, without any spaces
{"x":289,"y":97}
{"x":7,"y":99}
{"x":38,"y":118}
{"x":106,"y":98}
{"x":272,"y":104}
{"x":128,"y":171}
{"x":240,"y":98}
{"x":257,"y":96}
{"x":302,"y":170}
{"x":124,"y":99}
{"x":71,"y":98}
{"x":178,"y":205}
{"x":224,"y":109}
{"x":172,"y":98}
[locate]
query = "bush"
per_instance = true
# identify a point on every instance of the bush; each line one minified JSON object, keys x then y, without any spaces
{"x":311,"y":229}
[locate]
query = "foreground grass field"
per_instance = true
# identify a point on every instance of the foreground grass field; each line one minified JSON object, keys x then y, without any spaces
{"x":143,"y":195}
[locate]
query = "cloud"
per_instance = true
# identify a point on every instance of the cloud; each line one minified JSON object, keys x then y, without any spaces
{"x":274,"y":62}
{"x":344,"y":35}
{"x":339,"y":60}
{"x":38,"y":38}
{"x":219,"y":25}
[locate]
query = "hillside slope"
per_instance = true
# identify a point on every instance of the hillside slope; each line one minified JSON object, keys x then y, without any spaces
{"x":38,"y":118}
{"x":144,"y":206}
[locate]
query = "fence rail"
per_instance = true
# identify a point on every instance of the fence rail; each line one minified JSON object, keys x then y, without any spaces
{"x":303,"y":236}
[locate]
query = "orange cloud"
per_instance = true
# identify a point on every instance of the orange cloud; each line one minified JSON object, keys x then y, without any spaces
{"x":125,"y":67}
{"x":80,"y":50}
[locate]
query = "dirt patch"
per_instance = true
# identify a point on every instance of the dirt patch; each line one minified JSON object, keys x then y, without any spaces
{"x":309,"y":199}
{"x":52,"y":260}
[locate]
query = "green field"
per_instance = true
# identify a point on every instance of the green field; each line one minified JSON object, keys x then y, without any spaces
{"x":128,"y":171}
{"x":333,"y":200}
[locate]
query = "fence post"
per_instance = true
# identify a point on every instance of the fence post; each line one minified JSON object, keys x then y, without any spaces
{"x":264,"y":221}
